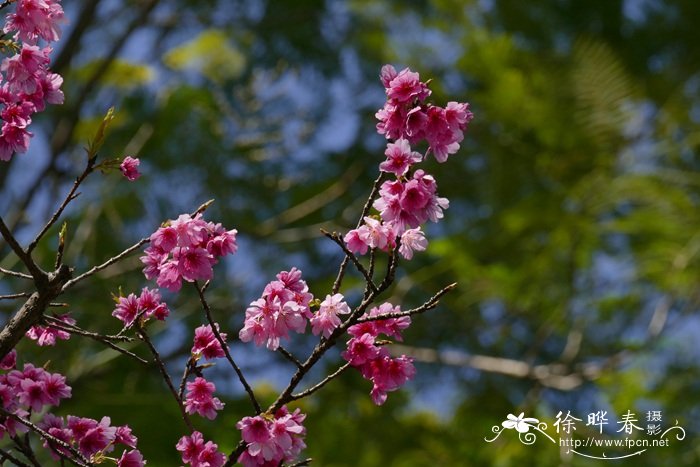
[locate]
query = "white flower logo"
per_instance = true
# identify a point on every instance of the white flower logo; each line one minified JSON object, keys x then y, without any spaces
{"x":521,"y":424}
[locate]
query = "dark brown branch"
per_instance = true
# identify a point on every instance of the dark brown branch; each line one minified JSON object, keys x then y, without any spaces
{"x":168,"y":381}
{"x":288,"y":355}
{"x":26,"y":258}
{"x":106,"y":340}
{"x":33,"y":309}
{"x":224,"y":346}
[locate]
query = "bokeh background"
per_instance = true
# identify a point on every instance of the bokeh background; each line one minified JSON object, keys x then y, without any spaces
{"x":573,"y":229}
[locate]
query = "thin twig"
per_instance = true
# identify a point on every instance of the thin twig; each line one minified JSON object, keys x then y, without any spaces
{"x":306,"y":461}
{"x":106,"y":264}
{"x":25,"y":448}
{"x":185,"y":374}
{"x":15,"y":273}
{"x":428,"y":305}
{"x":69,"y":197}
{"x":161,"y":366}
{"x":7,"y":456}
{"x":15,"y":296}
{"x":288,"y":355}
{"x":106,"y":340}
{"x":217,"y":334}
{"x":319,"y":385}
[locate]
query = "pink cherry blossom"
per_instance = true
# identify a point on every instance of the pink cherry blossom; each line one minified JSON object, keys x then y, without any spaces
{"x":25,"y":69}
{"x":326,"y":318}
{"x":9,"y":361}
{"x":13,"y":139}
{"x":406,"y":86}
{"x":131,"y":458}
{"x":374,"y":363}
{"x":412,"y":240}
{"x":372,"y":234}
{"x":127,"y":309}
{"x":399,"y":158}
{"x":34,"y":19}
{"x":130,"y":168}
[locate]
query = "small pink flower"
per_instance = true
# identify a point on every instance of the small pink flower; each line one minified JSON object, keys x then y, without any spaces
{"x":130,"y":168}
{"x":124,"y":436}
{"x":194,"y":263}
{"x":405,"y":86}
{"x":127,"y":309}
{"x":9,"y":361}
{"x":206,"y":344}
{"x":399,"y":158}
{"x":326,"y":319}
{"x":412,"y":240}
{"x":131,"y":458}
{"x":13,"y":139}
{"x":361,"y":350}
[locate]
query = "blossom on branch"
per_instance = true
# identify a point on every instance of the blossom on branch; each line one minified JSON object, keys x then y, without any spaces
{"x":283,"y":307}
{"x":374,"y":362}
{"x":47,"y":335}
{"x":272,"y":439}
{"x":200,"y":398}
{"x":195,"y":452}
{"x":186,"y":248}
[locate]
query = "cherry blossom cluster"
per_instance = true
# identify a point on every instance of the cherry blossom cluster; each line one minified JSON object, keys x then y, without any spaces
{"x":93,"y":439}
{"x":406,"y":115}
{"x":30,"y":389}
{"x":200,"y":398}
{"x":272,"y":439}
{"x":196,"y":453}
{"x":283,"y":307}
{"x":206,"y":344}
{"x":47,"y":335}
{"x":144,"y":307}
{"x":407,"y":202}
{"x":374,"y":362}
{"x":28,"y":82}
{"x":186,"y":248}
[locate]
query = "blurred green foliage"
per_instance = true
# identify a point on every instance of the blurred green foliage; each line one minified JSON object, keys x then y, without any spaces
{"x":572,"y":231}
